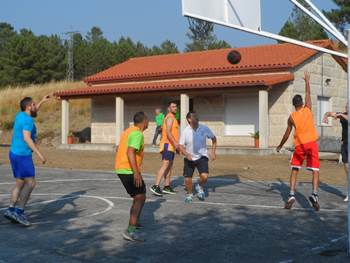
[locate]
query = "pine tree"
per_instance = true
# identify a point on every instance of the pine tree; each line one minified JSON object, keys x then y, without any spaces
{"x":300,"y":26}
{"x":201,"y":34}
{"x":341,"y":15}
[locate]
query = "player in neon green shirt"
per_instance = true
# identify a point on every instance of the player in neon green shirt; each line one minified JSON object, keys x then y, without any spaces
{"x":159,"y":122}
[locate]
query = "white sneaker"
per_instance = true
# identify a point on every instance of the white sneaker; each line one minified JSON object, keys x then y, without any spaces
{"x":346,"y":199}
{"x":199,"y":188}
{"x":200,"y":192}
{"x":189,"y":199}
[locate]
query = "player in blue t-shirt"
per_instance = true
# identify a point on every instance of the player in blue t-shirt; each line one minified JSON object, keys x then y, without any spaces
{"x":22,"y":147}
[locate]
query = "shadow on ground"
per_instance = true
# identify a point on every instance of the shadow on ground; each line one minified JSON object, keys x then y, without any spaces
{"x":175,"y":232}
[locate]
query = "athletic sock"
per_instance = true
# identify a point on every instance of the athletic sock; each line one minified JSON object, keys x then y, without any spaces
{"x":314,"y":193}
{"x":131,"y":229}
{"x":291,"y":193}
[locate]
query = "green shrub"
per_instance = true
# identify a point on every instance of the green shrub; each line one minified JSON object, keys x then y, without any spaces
{"x":7,"y":125}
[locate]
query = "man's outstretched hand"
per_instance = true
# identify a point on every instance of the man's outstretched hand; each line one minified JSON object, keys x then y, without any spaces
{"x":306,"y":76}
{"x":278,"y":149}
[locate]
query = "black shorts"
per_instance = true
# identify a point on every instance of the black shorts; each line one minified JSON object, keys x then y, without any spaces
{"x":201,"y":165}
{"x":128,"y":182}
{"x":344,"y":153}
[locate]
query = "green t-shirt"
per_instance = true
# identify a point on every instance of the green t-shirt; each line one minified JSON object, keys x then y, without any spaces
{"x":136,"y":141}
{"x":159,"y":119}
{"x":177,"y":115}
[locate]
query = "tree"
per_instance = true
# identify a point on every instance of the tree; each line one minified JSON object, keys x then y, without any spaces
{"x":168,"y":47}
{"x":201,"y":34}
{"x":341,"y":15}
{"x":95,"y":34}
{"x":300,"y":26}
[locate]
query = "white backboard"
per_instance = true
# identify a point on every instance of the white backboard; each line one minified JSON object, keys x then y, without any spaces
{"x":244,"y":13}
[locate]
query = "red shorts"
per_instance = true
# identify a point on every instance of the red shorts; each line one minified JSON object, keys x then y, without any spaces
{"x":308,"y":151}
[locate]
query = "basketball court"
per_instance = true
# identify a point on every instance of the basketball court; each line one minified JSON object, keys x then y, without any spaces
{"x":79,"y":216}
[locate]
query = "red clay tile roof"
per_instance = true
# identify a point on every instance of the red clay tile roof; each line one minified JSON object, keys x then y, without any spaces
{"x":254,"y":59}
{"x":182,"y":84}
{"x":260,"y":66}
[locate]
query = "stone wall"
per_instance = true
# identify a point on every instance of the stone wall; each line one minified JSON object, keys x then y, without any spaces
{"x":323,"y":67}
{"x":103,"y":127}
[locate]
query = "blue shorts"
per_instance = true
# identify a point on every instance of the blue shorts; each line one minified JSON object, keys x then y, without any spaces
{"x":166,"y":154}
{"x":22,"y":166}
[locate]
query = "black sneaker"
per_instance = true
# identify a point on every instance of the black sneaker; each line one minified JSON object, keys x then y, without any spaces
{"x":290,"y":202}
{"x":155,"y":189}
{"x":168,"y":190}
{"x":314,"y":201}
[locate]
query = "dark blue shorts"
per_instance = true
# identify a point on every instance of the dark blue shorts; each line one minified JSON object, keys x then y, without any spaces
{"x":166,"y":154}
{"x":22,"y":166}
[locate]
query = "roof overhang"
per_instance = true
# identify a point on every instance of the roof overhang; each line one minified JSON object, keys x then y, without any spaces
{"x":189,"y":84}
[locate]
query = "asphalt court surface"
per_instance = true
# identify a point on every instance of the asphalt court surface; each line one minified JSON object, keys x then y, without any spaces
{"x":78,"y":216}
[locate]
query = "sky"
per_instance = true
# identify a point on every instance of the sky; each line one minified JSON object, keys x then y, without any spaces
{"x":148,"y":21}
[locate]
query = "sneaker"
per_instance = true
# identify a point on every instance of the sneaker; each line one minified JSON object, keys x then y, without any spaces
{"x":10,"y":215}
{"x":133,"y":236}
{"x":22,"y":219}
{"x":314,"y":201}
{"x":200,"y":192}
{"x":290,"y":202}
{"x":189,"y":199}
{"x":201,"y":196}
{"x":168,"y":190}
{"x":346,"y":199}
{"x":155,"y":189}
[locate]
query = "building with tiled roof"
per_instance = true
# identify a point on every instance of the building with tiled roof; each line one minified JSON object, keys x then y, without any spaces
{"x":233,"y":100}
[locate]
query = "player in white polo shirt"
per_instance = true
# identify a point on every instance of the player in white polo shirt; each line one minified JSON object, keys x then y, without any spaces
{"x":193,"y":145}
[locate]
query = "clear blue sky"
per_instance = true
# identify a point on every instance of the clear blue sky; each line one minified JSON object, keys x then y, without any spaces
{"x":149,"y":21}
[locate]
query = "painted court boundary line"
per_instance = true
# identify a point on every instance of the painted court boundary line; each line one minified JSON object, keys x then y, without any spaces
{"x":150,"y":177}
{"x":109,"y":207}
{"x":219,"y":204}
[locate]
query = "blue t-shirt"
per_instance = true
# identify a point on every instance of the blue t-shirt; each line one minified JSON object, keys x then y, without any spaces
{"x":23,"y":122}
{"x":195,"y":141}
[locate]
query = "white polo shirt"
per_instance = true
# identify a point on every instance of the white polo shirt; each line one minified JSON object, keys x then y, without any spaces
{"x":195,"y":141}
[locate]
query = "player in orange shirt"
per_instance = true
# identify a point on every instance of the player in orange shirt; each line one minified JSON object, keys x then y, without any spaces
{"x":305,"y":141}
{"x":128,"y":162}
{"x":169,"y":145}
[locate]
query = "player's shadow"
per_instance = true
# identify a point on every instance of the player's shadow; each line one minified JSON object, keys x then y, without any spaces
{"x":284,"y":189}
{"x":53,"y":209}
{"x":150,"y":209}
{"x":199,"y":233}
{"x":212,"y":185}
{"x":332,"y":190}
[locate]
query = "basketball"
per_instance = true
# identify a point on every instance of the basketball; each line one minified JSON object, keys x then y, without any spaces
{"x":234,"y":57}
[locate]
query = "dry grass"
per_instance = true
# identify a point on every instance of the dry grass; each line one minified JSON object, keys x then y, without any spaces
{"x":49,"y":117}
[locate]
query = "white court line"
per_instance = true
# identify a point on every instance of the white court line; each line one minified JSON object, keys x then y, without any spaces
{"x":110,"y":206}
{"x":201,"y":203}
{"x":103,"y":179}
{"x":173,"y":201}
{"x":324,"y":246}
{"x":152,"y":176}
{"x":67,"y":180}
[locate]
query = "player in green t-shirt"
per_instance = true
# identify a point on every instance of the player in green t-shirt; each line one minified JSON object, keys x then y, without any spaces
{"x":159,"y":122}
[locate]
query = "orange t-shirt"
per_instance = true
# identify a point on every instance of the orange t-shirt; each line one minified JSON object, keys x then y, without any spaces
{"x":305,"y":129}
{"x":174,"y":132}
{"x":131,"y":137}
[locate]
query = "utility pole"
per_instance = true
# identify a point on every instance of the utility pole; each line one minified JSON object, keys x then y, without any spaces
{"x":70,"y":55}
